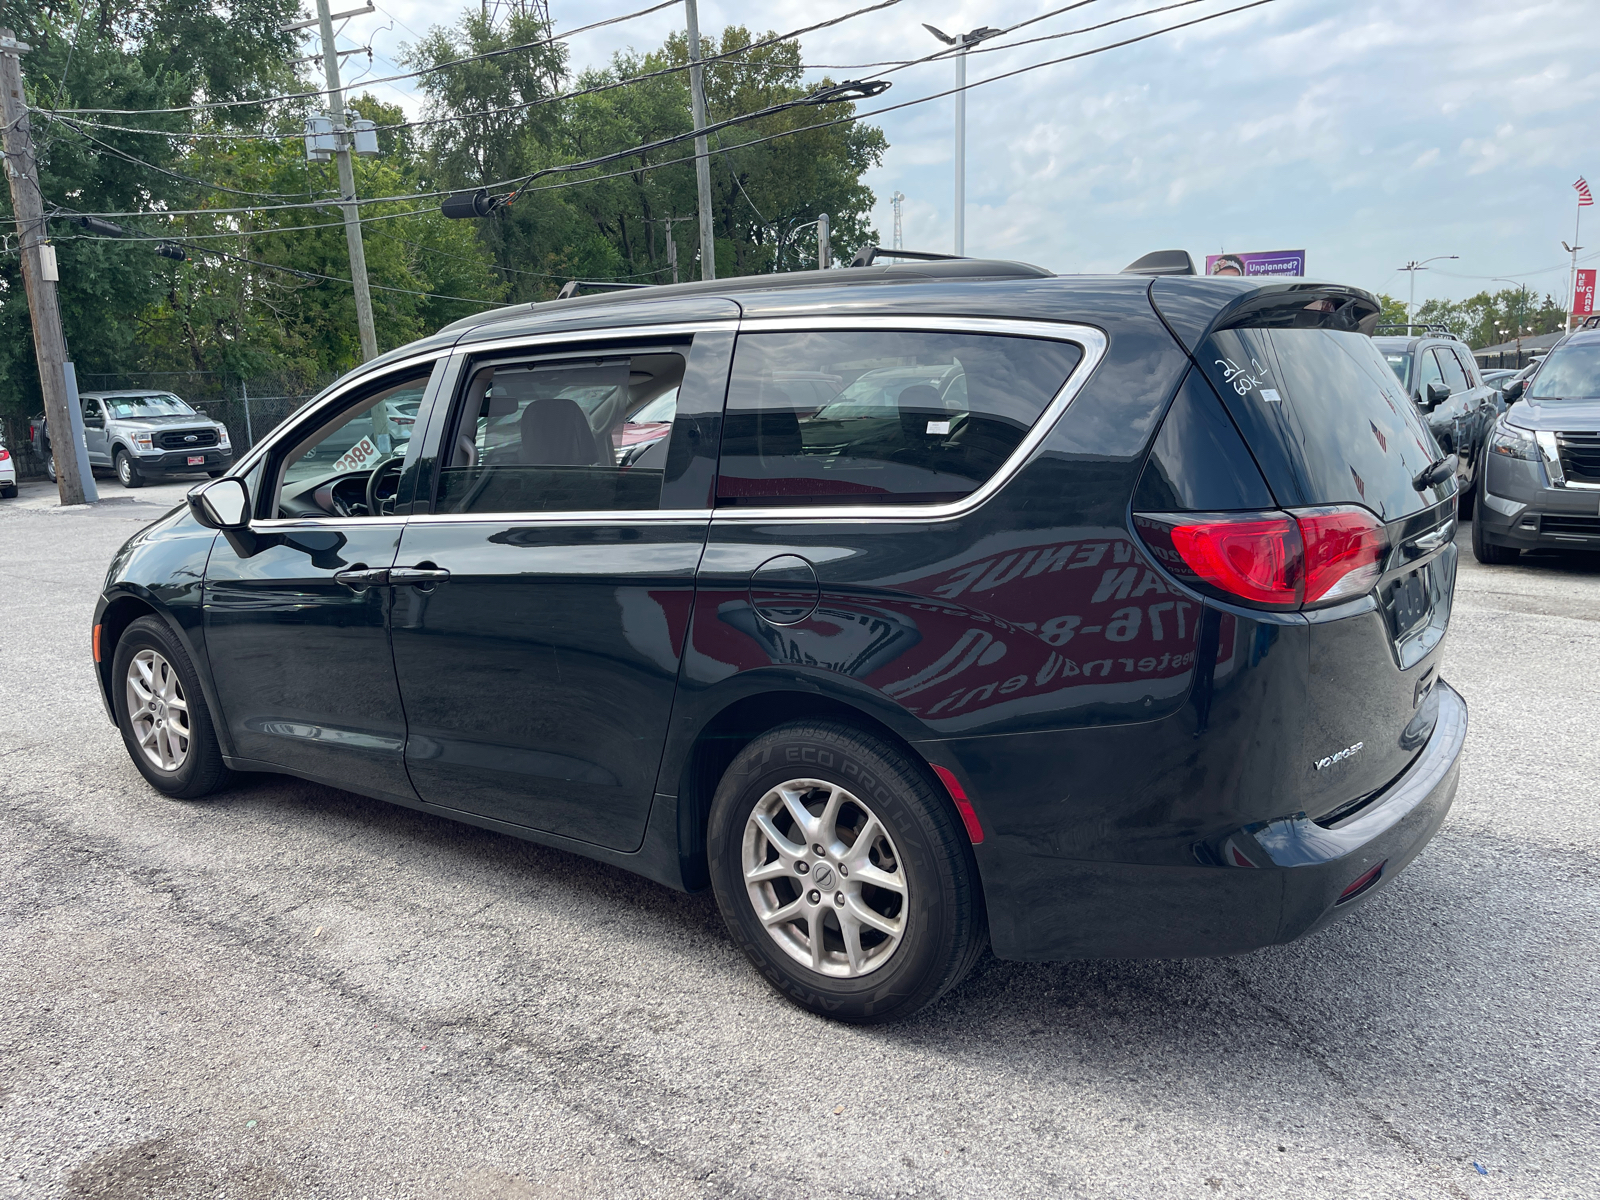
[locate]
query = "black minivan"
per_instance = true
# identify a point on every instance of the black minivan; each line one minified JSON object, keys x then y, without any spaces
{"x":911,"y":608}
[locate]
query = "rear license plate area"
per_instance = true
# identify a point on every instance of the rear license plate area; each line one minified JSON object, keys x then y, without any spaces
{"x":1408,"y":601}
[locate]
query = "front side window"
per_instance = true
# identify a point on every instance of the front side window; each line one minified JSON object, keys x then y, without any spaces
{"x":1468,"y":367}
{"x":916,"y":418}
{"x":157,"y":404}
{"x":91,"y":410}
{"x":327,"y":472}
{"x":571,"y":435}
{"x":1430,"y":372}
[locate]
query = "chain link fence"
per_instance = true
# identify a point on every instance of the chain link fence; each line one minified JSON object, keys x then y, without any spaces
{"x":250,"y":408}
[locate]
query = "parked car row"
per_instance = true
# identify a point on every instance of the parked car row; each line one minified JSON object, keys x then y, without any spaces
{"x":910,"y":609}
{"x":1541,"y":490}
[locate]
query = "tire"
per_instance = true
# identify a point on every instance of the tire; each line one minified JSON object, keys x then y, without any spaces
{"x":127,"y":470}
{"x":1489,"y":553}
{"x":933,"y":925}
{"x":49,"y":465}
{"x":1467,"y":498}
{"x":8,"y":493}
{"x":185,"y":767}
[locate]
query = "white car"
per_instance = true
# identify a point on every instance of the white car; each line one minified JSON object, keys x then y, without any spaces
{"x":8,"y":473}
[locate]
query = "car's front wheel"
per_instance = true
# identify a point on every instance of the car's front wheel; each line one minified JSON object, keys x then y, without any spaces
{"x":843,"y":874}
{"x":1489,"y":553}
{"x":128,"y":470}
{"x":162,"y":714}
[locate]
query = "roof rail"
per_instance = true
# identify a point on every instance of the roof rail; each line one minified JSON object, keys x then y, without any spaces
{"x":571,"y":287}
{"x":867,"y":255}
{"x":1162,"y":262}
{"x":1434,"y":329}
{"x":1591,"y":322}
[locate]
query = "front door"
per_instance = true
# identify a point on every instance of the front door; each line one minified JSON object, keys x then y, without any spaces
{"x":538,"y":650}
{"x":297,"y":610}
{"x":94,"y":432}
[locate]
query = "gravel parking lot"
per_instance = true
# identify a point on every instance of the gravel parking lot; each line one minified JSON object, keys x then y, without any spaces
{"x":293,"y":991}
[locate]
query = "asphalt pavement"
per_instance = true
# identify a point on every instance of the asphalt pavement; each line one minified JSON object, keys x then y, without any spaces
{"x":292,"y":991}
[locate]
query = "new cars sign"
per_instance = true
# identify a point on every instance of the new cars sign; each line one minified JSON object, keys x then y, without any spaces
{"x":1258,"y":262}
{"x":1583,"y":295}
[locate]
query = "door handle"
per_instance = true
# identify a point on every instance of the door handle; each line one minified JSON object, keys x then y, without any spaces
{"x":418,"y":576}
{"x":359,"y":577}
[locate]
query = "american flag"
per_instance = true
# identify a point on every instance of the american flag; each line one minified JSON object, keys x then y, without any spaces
{"x":1585,"y":196}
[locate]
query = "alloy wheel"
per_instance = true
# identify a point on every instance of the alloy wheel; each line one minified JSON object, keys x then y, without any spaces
{"x":824,"y":878}
{"x":157,"y":710}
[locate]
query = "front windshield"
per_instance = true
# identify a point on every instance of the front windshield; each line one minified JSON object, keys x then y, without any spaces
{"x":1400,"y":364}
{"x":157,"y":404}
{"x":1571,"y":372}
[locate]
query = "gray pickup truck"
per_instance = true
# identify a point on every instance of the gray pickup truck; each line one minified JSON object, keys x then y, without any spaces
{"x":144,"y":434}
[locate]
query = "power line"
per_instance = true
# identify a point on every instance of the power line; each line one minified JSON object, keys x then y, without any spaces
{"x":303,"y":274}
{"x":520,"y":184}
{"x":709,"y":60}
{"x":221,"y":104}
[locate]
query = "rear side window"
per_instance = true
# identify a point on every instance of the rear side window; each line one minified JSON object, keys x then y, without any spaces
{"x":587,"y":435}
{"x":1324,"y":416}
{"x":913,"y":418}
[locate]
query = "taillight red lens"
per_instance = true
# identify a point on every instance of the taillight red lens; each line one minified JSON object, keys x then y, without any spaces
{"x":1345,"y":548}
{"x":4,"y":454}
{"x":1257,"y":560}
{"x":1312,"y":556}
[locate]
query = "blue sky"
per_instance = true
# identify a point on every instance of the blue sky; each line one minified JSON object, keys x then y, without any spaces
{"x":1367,"y":133}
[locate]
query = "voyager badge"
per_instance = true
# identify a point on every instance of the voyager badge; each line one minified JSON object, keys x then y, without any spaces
{"x":1339,"y":757}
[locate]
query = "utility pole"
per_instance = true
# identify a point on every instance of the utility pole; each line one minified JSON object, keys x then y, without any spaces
{"x":824,"y":244}
{"x":702,"y":163}
{"x":39,"y":273}
{"x":347,"y":186}
{"x":1572,"y":276}
{"x":965,"y":41}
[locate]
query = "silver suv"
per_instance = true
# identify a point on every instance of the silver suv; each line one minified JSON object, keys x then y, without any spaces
{"x":141,"y":434}
{"x":1541,"y":490}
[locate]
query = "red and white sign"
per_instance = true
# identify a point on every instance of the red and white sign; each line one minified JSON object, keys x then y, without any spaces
{"x":1583,"y":297}
{"x":363,"y":454}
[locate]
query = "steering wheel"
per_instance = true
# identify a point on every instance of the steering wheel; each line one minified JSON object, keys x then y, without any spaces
{"x":383,"y":485}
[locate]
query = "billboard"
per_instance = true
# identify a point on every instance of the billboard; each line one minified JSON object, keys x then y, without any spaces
{"x":1258,"y":262}
{"x":1583,"y":296}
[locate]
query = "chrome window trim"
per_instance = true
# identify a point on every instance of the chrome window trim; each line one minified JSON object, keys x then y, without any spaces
{"x":574,"y":337}
{"x":283,"y":524}
{"x":1090,"y":340}
{"x":621,"y":516}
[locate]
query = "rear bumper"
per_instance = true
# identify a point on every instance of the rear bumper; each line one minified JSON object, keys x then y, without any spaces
{"x":1265,"y":884}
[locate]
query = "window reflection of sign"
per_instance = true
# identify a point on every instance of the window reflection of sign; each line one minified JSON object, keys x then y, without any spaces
{"x":363,"y":454}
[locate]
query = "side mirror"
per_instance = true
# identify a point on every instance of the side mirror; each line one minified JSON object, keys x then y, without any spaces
{"x":1513,"y":390}
{"x":1436,"y":394}
{"x":221,"y":504}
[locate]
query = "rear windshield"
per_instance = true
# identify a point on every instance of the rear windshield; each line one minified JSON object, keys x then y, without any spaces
{"x":1571,"y":372}
{"x":1325,"y":416}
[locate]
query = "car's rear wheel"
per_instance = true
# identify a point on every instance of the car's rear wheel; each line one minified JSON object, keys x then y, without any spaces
{"x":1489,"y":553}
{"x":128,"y":470}
{"x":162,"y":714}
{"x":843,"y":873}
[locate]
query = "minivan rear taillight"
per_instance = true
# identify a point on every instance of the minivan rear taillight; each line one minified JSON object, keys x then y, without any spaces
{"x":1271,"y":560}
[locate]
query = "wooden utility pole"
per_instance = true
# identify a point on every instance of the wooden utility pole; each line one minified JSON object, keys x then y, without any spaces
{"x":347,"y":186}
{"x":702,"y":161}
{"x":49,"y":342}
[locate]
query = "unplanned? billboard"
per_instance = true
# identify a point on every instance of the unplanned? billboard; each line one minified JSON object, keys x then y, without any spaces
{"x":1258,"y":262}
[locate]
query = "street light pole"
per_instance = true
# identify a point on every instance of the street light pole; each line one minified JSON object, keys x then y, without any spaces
{"x":1414,"y":266}
{"x":966,"y":41}
{"x":702,"y":162}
